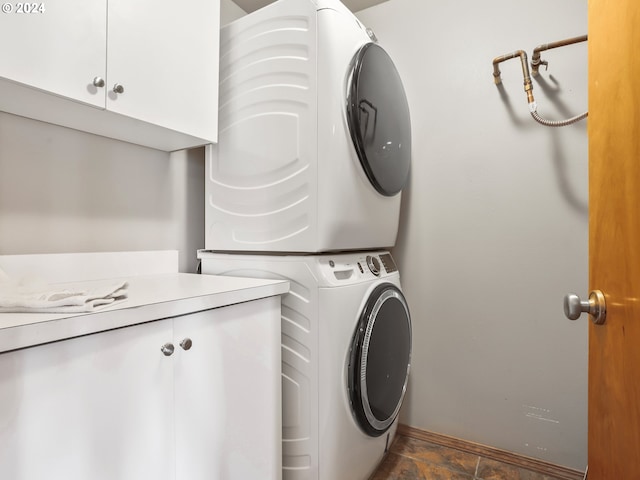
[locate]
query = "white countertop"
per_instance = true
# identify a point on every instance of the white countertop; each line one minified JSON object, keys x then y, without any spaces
{"x":151,"y":297}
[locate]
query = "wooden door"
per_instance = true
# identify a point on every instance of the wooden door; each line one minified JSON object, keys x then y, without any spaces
{"x":614,"y":238}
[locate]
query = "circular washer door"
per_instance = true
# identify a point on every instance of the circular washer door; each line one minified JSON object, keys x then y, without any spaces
{"x":379,"y":360}
{"x":378,"y":119}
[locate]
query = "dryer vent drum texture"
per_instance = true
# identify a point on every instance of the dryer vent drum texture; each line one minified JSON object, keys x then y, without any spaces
{"x":380,"y":360}
{"x":379,"y":120}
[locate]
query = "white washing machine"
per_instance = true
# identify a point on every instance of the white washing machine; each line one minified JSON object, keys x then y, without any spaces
{"x":315,"y":136}
{"x":346,"y":350}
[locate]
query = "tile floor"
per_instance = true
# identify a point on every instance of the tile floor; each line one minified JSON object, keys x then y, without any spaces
{"x":411,"y":459}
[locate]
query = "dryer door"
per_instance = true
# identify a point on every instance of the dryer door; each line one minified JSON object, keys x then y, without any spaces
{"x":379,"y":360}
{"x":378,"y":118}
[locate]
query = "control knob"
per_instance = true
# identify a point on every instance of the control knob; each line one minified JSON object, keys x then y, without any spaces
{"x":374,"y":265}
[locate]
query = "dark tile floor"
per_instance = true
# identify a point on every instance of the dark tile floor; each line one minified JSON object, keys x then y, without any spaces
{"x":411,"y":459}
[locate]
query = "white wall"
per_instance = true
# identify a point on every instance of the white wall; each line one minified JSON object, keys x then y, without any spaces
{"x":229,"y":12}
{"x":494,"y":229}
{"x":66,"y":191}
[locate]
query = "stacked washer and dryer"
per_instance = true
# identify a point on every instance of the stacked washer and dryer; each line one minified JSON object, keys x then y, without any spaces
{"x":314,"y":150}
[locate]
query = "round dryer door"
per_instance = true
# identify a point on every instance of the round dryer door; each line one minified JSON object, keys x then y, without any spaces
{"x":379,"y":360}
{"x":378,"y":118}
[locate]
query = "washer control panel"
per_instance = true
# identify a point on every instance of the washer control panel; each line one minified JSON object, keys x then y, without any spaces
{"x":388,"y":263}
{"x":347,"y":268}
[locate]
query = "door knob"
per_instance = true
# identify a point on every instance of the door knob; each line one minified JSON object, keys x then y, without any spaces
{"x":167,"y":349}
{"x":98,"y":82}
{"x":595,"y":306}
{"x":117,"y":88}
{"x":186,"y":344}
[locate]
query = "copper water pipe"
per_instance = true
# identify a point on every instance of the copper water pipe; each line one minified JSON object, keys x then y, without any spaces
{"x":535,"y":58}
{"x":528,"y":86}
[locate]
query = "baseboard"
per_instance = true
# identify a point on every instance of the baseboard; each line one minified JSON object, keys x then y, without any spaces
{"x":492,"y":453}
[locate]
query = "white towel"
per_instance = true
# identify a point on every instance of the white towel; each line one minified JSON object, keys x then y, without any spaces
{"x":33,"y":296}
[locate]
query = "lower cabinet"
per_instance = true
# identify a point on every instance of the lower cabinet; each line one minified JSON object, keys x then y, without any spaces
{"x":191,"y":397}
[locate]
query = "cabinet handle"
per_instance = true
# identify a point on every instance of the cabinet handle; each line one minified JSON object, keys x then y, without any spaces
{"x":186,"y":344}
{"x":98,"y":82}
{"x":167,"y":349}
{"x":118,"y":88}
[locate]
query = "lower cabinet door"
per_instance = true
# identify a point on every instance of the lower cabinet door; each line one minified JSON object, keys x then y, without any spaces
{"x":228,"y":393}
{"x":98,"y":407}
{"x":114,"y":406}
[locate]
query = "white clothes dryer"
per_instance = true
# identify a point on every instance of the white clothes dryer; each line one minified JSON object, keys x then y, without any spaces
{"x":315,"y":136}
{"x":346,"y":351}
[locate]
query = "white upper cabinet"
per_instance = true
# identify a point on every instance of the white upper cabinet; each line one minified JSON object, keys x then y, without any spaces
{"x":137,"y":70}
{"x":164,"y":54}
{"x":51,"y":49}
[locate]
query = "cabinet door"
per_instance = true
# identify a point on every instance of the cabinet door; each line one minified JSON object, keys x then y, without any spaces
{"x":58,"y":46}
{"x":227,"y":393}
{"x":98,"y":407}
{"x":164,"y":54}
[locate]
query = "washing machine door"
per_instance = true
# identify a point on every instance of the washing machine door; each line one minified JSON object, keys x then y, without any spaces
{"x":378,"y":119}
{"x":379,"y":360}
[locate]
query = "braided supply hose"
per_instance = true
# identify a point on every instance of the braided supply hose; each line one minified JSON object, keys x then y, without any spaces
{"x":554,"y":123}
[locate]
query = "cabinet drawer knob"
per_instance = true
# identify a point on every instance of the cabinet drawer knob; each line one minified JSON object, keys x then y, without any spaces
{"x":98,"y":82}
{"x":118,"y":88}
{"x":186,"y":344}
{"x":167,"y":349}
